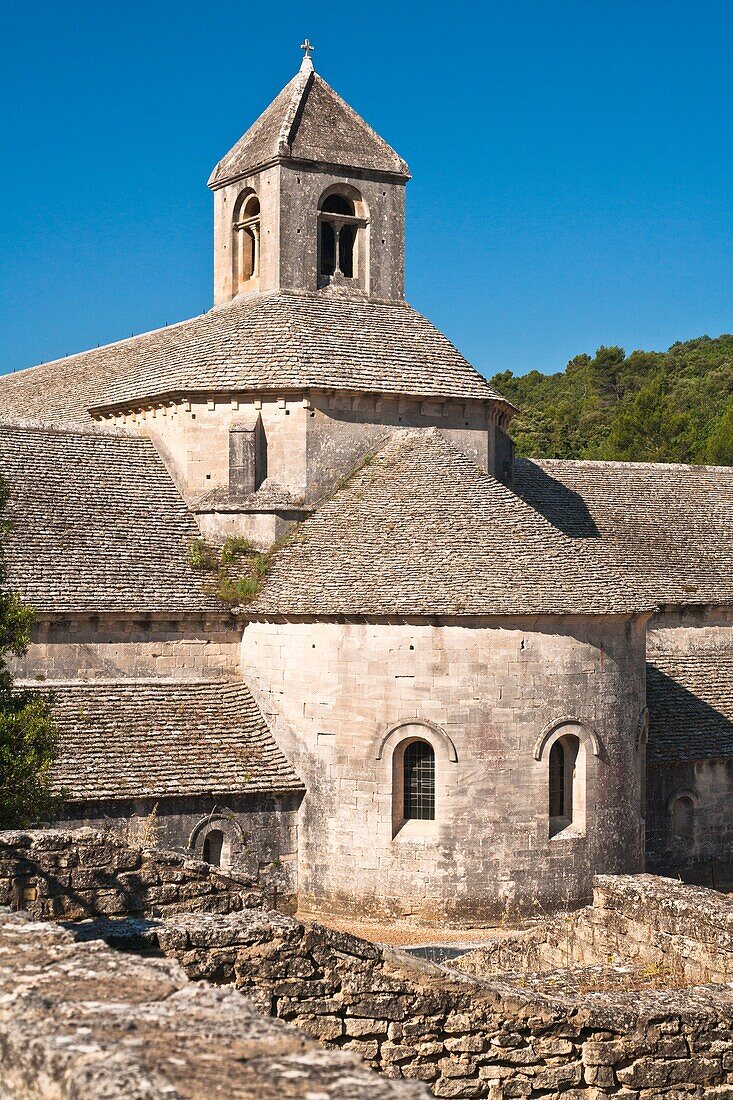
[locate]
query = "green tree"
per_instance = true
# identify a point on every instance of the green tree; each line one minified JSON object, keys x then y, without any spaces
{"x":650,"y":406}
{"x":720,"y":442}
{"x":28,"y":740}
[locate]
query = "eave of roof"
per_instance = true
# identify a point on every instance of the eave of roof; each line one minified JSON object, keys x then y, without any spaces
{"x":280,"y":342}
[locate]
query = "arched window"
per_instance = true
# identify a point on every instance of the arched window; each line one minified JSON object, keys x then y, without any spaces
{"x":213,"y":847}
{"x":683,"y":817}
{"x":342,"y":238}
{"x":564,"y":783}
{"x":245,"y":242}
{"x":418,"y":788}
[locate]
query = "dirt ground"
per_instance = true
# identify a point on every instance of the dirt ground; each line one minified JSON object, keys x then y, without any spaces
{"x":407,"y":933}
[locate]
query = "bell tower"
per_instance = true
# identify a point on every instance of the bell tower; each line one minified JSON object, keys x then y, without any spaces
{"x":310,"y":199}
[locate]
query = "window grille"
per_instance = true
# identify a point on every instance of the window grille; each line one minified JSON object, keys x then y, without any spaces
{"x":419,"y":782}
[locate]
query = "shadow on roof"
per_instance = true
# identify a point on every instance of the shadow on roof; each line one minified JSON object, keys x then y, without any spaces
{"x":564,"y":508}
{"x":682,"y":725}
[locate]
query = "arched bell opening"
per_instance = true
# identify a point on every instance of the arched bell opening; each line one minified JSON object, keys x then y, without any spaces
{"x":342,"y":238}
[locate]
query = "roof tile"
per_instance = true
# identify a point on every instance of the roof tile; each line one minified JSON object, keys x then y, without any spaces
{"x":275,"y":342}
{"x":419,"y":530}
{"x":96,"y":525}
{"x":133,"y":738}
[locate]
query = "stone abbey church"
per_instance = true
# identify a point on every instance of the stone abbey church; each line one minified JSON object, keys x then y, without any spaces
{"x":465,"y":683}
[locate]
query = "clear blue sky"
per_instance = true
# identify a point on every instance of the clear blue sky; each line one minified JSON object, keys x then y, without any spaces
{"x":572,"y":162}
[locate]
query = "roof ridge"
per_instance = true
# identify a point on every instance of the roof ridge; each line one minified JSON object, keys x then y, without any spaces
{"x":301,"y":82}
{"x":617,"y":463}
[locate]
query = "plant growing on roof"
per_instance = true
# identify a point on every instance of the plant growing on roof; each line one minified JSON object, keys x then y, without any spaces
{"x":240,"y":569}
{"x":28,"y":738}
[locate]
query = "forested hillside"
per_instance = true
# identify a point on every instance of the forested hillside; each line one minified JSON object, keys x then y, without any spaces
{"x":673,"y":406}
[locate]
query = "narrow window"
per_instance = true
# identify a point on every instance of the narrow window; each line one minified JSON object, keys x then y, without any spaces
{"x":642,"y":774}
{"x":565,"y":785}
{"x":419,"y":782}
{"x":683,"y":817}
{"x":328,"y":249}
{"x":247,"y":241}
{"x":557,"y":780}
{"x":213,"y":845}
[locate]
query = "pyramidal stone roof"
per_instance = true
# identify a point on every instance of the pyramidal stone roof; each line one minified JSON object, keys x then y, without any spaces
{"x":420,"y":530}
{"x":131,"y":738}
{"x":668,"y":528}
{"x":275,"y":342}
{"x":308,"y":121}
{"x":96,"y":525}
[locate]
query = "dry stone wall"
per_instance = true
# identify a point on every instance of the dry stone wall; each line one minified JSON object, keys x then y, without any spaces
{"x":465,"y":1037}
{"x":682,"y":933}
{"x":75,"y":875}
{"x":530,"y":1034}
{"x":82,"y":1022}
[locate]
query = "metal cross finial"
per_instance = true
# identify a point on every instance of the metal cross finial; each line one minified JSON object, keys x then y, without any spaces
{"x":307,"y":49}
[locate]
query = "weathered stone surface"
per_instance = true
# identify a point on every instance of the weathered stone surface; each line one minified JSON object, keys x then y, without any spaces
{"x":84,"y":873}
{"x":466,"y":1037}
{"x":79,"y":1020}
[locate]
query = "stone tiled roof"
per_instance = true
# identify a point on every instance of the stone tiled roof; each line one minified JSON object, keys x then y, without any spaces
{"x":690,"y":699}
{"x":132,"y":738}
{"x":420,"y":530}
{"x":308,"y":121}
{"x":668,"y":528}
{"x":97,"y":525}
{"x":275,"y":342}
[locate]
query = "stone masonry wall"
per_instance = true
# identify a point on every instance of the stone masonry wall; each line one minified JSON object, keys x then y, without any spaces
{"x":685,"y":933}
{"x":261,"y":830}
{"x":496,"y":1037}
{"x":706,"y":855}
{"x":74,"y":875}
{"x":464,"y":1037}
{"x":81,"y":1022}
{"x":341,"y":699}
{"x":106,"y":647}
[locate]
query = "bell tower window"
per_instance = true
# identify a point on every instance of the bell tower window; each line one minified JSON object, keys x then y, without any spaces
{"x":342,"y":239}
{"x":245,"y":242}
